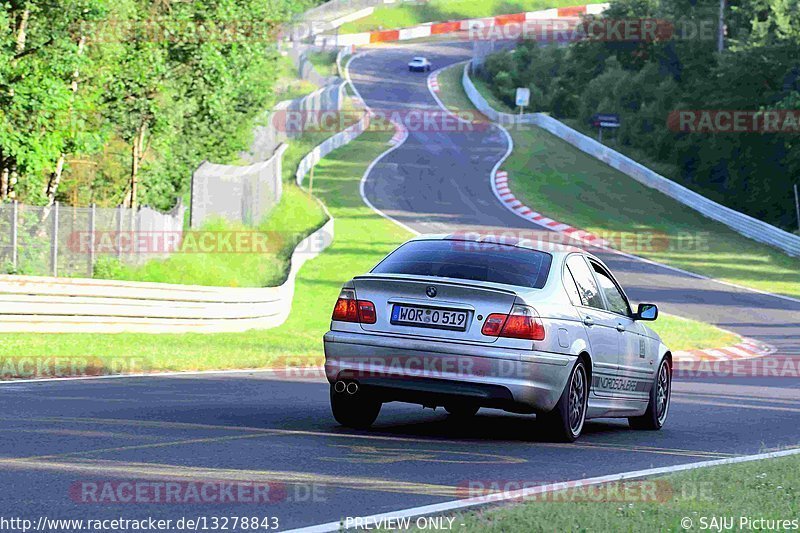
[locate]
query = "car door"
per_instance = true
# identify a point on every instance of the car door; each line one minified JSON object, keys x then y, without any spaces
{"x":635,"y":373}
{"x":600,"y":326}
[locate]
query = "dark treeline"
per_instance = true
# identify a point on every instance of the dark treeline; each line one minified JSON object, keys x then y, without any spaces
{"x":118,"y":101}
{"x":646,"y":81}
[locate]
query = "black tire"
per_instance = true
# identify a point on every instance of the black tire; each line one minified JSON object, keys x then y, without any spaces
{"x":565,"y":422}
{"x":428,"y":68}
{"x":657,"y":411}
{"x":462,"y":410}
{"x":357,"y":410}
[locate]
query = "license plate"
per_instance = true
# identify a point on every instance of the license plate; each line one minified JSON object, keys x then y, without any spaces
{"x":428,"y":317}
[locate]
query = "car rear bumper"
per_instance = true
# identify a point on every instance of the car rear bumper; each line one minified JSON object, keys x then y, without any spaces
{"x":435,"y":373}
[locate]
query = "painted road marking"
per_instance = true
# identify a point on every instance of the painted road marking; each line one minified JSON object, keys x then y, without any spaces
{"x":528,"y":493}
{"x":737,"y":398}
{"x":259,"y":432}
{"x":738,"y":405}
{"x":127,"y":470}
{"x":85,"y":433}
{"x":378,"y":455}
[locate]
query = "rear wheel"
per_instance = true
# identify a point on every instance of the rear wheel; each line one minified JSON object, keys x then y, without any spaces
{"x":357,"y":410}
{"x":658,"y":408}
{"x":461,"y":410}
{"x":565,"y":422}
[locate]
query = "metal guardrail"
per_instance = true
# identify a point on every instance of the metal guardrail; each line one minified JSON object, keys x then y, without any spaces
{"x":338,"y":140}
{"x":58,"y":305}
{"x":755,"y":229}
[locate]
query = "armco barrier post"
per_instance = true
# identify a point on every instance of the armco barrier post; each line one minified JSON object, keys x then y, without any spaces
{"x":54,"y":242}
{"x":119,"y":232}
{"x":92,"y":214}
{"x":14,"y":233}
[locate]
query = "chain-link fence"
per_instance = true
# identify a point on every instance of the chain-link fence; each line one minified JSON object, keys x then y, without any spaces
{"x":63,"y":240}
{"x":267,"y":138}
{"x":237,"y":193}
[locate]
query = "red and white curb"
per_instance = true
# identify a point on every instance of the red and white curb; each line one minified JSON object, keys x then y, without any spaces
{"x":431,"y":29}
{"x":500,"y":186}
{"x":747,"y":349}
{"x":400,"y":135}
{"x":433,"y":82}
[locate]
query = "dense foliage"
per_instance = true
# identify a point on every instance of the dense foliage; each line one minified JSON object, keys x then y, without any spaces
{"x":118,"y":101}
{"x":645,"y":81}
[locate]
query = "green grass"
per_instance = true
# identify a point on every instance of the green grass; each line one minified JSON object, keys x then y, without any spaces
{"x":565,"y":184}
{"x":410,"y":14}
{"x":362,"y":238}
{"x":295,"y":217}
{"x":288,"y":85}
{"x":324,"y":62}
{"x":685,"y":334}
{"x":768,"y":489}
{"x":491,"y":98}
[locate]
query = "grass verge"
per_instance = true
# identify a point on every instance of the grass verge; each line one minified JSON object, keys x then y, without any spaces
{"x":324,"y":61}
{"x":767,"y":489}
{"x":560,"y":181}
{"x":296,"y":216}
{"x":362,"y":238}
{"x":412,"y":13}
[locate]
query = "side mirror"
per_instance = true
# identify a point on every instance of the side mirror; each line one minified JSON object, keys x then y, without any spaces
{"x":646,"y":312}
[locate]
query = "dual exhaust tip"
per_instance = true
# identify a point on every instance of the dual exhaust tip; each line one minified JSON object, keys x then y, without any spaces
{"x":343,"y":386}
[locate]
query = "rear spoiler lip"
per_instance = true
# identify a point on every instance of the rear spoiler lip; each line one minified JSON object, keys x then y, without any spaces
{"x":445,"y":281}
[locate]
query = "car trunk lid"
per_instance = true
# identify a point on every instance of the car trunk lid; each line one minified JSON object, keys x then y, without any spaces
{"x":451,"y":298}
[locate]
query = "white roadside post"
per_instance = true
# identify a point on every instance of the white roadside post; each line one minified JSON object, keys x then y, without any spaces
{"x":92,"y":214}
{"x":523,"y":98}
{"x":15,"y":233}
{"x":54,"y":241}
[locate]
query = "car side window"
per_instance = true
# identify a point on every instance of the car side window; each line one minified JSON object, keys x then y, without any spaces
{"x":587,"y":288}
{"x":616,"y":300}
{"x":572,"y":288}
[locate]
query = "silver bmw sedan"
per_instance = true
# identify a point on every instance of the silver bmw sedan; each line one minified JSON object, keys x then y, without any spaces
{"x":466,"y":323}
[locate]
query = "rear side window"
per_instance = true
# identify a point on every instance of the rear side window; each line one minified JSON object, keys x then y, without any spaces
{"x":491,"y":262}
{"x":572,"y":288}
{"x":587,"y":288}
{"x":616,"y":300}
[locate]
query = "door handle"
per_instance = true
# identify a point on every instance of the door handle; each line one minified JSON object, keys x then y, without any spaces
{"x":620,"y":328}
{"x":589,"y":321}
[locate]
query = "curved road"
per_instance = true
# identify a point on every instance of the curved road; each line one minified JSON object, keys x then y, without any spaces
{"x":439,"y":182}
{"x":256,"y":427}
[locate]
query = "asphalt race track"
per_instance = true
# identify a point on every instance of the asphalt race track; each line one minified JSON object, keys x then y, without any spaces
{"x":263,"y":427}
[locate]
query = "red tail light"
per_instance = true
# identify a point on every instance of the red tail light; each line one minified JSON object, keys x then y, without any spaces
{"x":522,"y":323}
{"x":345,"y":310}
{"x":348,"y":309}
{"x":494,"y":324}
{"x":366,"y":312}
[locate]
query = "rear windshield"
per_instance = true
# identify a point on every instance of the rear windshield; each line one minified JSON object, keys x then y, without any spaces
{"x":492,"y":262}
